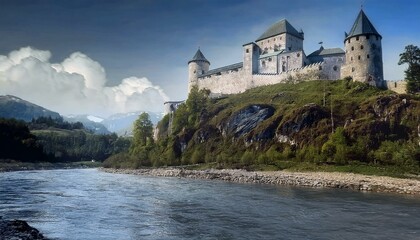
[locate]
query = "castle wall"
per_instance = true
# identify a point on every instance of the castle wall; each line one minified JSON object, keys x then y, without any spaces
{"x":399,"y":87}
{"x":279,"y":42}
{"x":291,"y":60}
{"x":331,"y":69}
{"x":226,"y":82}
{"x":240,"y":81}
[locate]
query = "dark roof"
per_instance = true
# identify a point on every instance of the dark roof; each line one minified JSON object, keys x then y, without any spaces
{"x":222,"y":69}
{"x":362,"y":26}
{"x":199,"y":56}
{"x":282,"y":26}
{"x":326,"y":51}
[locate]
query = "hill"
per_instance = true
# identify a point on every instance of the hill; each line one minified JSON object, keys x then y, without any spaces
{"x":14,"y":107}
{"x":312,"y":124}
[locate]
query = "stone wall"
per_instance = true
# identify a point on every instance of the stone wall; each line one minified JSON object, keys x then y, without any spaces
{"x":240,"y":81}
{"x":399,"y":87}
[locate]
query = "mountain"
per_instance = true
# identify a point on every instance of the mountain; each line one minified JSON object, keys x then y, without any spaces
{"x":122,"y":123}
{"x":14,"y":107}
{"x":90,"y":122}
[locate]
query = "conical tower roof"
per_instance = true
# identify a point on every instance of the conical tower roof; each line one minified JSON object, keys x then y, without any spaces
{"x":199,"y":56}
{"x":362,"y":26}
{"x":282,"y":26}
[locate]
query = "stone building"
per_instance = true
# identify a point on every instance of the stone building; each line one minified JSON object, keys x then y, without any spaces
{"x":278,"y":56}
{"x":363,"y":53}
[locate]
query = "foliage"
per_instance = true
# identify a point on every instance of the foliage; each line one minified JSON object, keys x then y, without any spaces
{"x":18,"y":143}
{"x":143,"y":133}
{"x":79,"y":145}
{"x":411,"y":56}
{"x":48,"y":122}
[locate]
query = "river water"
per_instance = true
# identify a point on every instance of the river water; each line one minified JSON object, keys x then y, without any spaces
{"x":90,"y":204}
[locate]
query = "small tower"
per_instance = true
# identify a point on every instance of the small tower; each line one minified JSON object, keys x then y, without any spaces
{"x":363,"y":53}
{"x":197,"y":66}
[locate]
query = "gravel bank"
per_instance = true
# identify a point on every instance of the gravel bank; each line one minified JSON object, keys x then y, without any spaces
{"x":308,"y":179}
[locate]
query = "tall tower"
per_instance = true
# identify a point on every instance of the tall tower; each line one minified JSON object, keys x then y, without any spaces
{"x":363,"y":53}
{"x":197,"y":66}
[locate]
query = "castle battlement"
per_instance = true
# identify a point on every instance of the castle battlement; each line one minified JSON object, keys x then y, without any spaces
{"x":277,"y":56}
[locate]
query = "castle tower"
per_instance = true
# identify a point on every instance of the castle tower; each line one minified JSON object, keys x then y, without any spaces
{"x":363,"y":53}
{"x":196,"y":66}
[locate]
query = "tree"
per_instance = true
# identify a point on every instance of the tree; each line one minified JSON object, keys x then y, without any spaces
{"x":143,"y":131}
{"x":411,"y":56}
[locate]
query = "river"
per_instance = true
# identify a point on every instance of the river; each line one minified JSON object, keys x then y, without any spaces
{"x":90,"y":204}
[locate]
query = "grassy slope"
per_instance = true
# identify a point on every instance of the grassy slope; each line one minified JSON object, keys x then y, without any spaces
{"x":353,"y":101}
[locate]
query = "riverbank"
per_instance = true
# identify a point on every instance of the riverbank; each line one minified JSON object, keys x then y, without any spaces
{"x":352,"y":181}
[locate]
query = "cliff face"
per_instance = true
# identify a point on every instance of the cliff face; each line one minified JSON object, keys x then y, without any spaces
{"x":302,"y":115}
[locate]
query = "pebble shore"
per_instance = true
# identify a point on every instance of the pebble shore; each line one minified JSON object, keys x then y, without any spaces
{"x":352,"y":181}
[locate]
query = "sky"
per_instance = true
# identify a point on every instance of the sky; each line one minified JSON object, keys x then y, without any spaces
{"x":103,"y":57}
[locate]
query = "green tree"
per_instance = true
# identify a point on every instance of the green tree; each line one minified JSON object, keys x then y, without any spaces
{"x":143,"y":133}
{"x":411,"y":56}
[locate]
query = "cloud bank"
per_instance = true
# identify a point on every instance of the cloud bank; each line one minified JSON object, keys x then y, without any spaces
{"x":75,"y":86}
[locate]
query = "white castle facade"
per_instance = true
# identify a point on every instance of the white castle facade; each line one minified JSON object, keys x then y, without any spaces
{"x":277,"y":56}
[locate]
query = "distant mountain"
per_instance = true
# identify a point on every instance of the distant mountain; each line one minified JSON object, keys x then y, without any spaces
{"x":90,"y":122}
{"x":14,"y":107}
{"x":122,"y":123}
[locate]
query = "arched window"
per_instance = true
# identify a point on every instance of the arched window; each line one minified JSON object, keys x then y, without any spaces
{"x":352,"y":48}
{"x":358,"y":57}
{"x":361,"y":46}
{"x":335,"y":68}
{"x":357,"y":38}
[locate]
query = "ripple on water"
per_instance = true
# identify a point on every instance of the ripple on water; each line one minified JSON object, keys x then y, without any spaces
{"x":90,"y":205}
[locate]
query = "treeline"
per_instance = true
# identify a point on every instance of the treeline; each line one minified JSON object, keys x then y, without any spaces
{"x":80,"y":145}
{"x":17,"y":143}
{"x":48,"y":122}
{"x":55,"y":140}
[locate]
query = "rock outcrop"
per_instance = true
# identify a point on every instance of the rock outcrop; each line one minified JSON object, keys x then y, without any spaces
{"x":18,"y":230}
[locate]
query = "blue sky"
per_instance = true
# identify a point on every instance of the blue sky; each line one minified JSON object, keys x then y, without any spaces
{"x":156,"y":38}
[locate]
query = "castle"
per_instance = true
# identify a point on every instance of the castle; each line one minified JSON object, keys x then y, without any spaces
{"x":277,"y":56}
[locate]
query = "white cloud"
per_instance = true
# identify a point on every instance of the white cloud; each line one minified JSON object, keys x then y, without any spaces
{"x":75,"y":86}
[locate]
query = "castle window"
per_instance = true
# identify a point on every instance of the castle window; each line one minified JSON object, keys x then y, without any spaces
{"x":298,"y":55}
{"x":357,"y":38}
{"x":269,"y":59}
{"x":202,"y":72}
{"x":352,"y":48}
{"x":351,"y":59}
{"x":361,"y":47}
{"x":247,"y":51}
{"x":367,"y":56}
{"x":281,"y":38}
{"x":335,"y":68}
{"x":348,"y":41}
{"x":352,"y":69}
{"x":320,"y":68}
{"x":263,"y":63}
{"x":195,"y":71}
{"x":358,"y":57}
